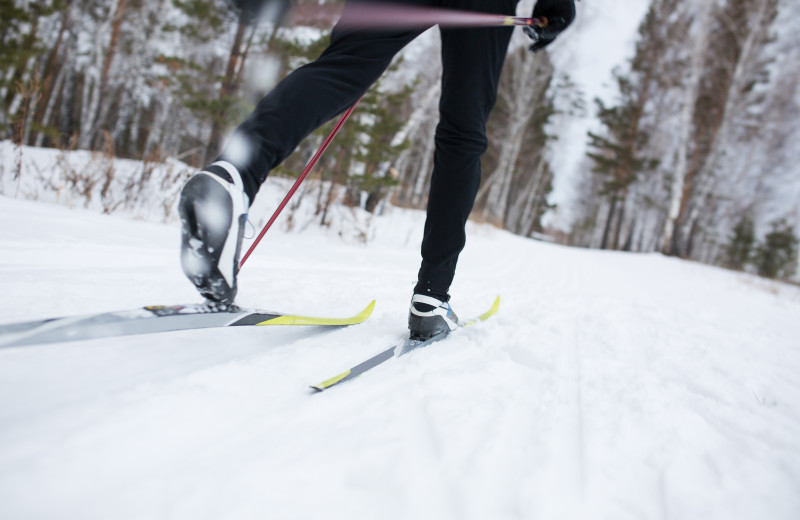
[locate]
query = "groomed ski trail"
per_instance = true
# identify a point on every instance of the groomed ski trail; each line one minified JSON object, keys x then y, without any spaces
{"x":609,"y":386}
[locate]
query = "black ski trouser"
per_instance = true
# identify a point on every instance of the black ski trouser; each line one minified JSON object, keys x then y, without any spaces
{"x":472,"y":60}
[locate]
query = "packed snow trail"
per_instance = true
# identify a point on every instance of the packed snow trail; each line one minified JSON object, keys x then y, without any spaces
{"x":609,"y":385}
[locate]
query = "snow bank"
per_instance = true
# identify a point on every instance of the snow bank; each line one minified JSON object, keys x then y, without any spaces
{"x":149,"y":191}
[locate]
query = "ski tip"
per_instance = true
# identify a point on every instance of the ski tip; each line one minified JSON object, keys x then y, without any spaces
{"x":361,"y":316}
{"x":367,"y":312}
{"x":486,"y":315}
{"x":493,"y":310}
{"x":291,"y":319}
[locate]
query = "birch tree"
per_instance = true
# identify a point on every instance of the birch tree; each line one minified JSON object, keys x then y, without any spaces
{"x":699,"y":38}
{"x":514,"y":192}
{"x":741,"y":31}
{"x":104,"y":40}
{"x":521,"y":84}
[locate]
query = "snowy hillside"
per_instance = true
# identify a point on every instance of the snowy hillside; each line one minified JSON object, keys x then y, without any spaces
{"x":608,"y":386}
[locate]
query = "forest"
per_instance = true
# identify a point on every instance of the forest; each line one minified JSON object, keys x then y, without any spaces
{"x":695,"y":157}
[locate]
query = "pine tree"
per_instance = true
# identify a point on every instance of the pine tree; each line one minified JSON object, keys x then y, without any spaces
{"x":22,"y":47}
{"x":617,"y":154}
{"x":366,"y":147}
{"x":777,"y":256}
{"x":53,"y":72}
{"x":740,"y":249}
{"x":627,"y":151}
{"x":209,"y":90}
{"x":379,"y":123}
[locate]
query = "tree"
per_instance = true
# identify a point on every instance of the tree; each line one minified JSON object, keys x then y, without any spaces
{"x":777,"y":256}
{"x":698,"y":38}
{"x":366,"y":147}
{"x":725,"y":90}
{"x":23,"y":45}
{"x":741,"y":247}
{"x":627,"y":152}
{"x":516,"y":160}
{"x":198,"y":80}
{"x":379,"y":122}
{"x":53,"y":73}
{"x":618,"y":154}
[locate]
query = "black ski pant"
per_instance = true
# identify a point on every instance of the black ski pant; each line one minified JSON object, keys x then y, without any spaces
{"x":472,"y":60}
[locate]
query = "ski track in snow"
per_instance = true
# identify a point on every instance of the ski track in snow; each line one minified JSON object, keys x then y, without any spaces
{"x":609,"y":385}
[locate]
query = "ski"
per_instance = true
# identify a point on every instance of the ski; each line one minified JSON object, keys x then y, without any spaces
{"x":156,"y":318}
{"x":399,"y":350}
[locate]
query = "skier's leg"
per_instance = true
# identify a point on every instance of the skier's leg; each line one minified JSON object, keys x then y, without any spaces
{"x":310,"y":96}
{"x":472,"y":61}
{"x":214,"y":203}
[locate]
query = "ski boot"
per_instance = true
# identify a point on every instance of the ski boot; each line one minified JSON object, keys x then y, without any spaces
{"x":213,"y":210}
{"x":429,"y":316}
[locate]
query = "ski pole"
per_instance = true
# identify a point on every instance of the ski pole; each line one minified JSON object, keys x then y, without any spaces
{"x":299,"y":180}
{"x":372,"y":15}
{"x":386,"y":15}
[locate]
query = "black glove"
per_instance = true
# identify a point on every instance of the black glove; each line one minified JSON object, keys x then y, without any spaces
{"x":558,"y":13}
{"x":252,"y":10}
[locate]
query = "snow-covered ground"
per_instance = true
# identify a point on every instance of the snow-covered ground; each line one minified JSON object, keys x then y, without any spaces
{"x":608,"y":386}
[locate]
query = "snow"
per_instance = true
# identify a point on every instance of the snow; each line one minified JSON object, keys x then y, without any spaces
{"x":609,"y":385}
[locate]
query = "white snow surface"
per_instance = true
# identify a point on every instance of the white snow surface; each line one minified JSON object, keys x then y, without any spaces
{"x":609,"y":385}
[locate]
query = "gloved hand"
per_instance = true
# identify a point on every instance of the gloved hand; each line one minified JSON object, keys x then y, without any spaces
{"x":559,"y":14}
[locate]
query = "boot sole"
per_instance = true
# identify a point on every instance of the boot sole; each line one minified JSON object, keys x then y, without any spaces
{"x":205,"y":211}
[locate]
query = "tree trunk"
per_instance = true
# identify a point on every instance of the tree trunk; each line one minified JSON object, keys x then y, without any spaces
{"x":620,"y":220}
{"x":50,"y":105}
{"x":691,"y":93}
{"x":50,"y":76}
{"x":413,"y":162}
{"x":521,"y":94}
{"x":607,"y":229}
{"x":720,"y":140}
{"x":419,"y":195}
{"x":229,"y":85}
{"x":96,"y":82}
{"x":522,"y":211}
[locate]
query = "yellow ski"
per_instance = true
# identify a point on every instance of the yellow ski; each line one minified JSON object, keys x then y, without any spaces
{"x":157,"y":318}
{"x":291,"y":319}
{"x":399,"y":350}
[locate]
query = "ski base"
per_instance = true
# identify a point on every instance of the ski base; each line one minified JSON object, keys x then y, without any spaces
{"x":397,"y":351}
{"x":158,"y":318}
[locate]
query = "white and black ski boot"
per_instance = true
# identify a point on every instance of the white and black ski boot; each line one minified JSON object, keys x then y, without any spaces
{"x":213,"y":210}
{"x":429,"y":316}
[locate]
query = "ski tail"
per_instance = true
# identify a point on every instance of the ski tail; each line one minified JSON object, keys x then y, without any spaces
{"x":356,"y":370}
{"x":158,"y":318}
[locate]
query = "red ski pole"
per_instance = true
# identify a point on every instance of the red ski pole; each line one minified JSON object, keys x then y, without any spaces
{"x":299,"y":180}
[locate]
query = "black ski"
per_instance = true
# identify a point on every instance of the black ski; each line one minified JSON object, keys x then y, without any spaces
{"x":157,"y":318}
{"x":397,"y":351}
